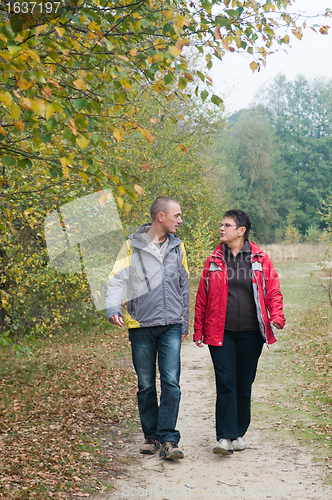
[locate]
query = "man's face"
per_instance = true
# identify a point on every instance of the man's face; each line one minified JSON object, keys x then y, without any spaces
{"x":172,"y":218}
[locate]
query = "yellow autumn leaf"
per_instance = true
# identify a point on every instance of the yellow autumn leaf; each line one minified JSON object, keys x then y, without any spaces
{"x":38,"y":106}
{"x":80,"y":85}
{"x":2,"y":131}
{"x":183,"y":148}
{"x":39,"y":29}
{"x":115,"y":179}
{"x":60,"y":31}
{"x":324,"y":30}
{"x":121,"y":190}
{"x":126,"y":208}
{"x":83,"y":175}
{"x":174,"y":51}
{"x":23,"y":84}
{"x":6,"y":98}
{"x":133,"y":52}
{"x":168,"y":13}
{"x":125,"y":82}
{"x":179,"y":45}
{"x":49,"y":110}
{"x":65,"y":171}
{"x":138,"y":189}
{"x":82,"y":141}
{"x":19,"y":125}
{"x":254,"y":66}
{"x":298,"y":33}
{"x":154,"y":120}
{"x":147,"y":134}
{"x":9,"y":214}
{"x":103,"y":199}
{"x":118,"y":134}
{"x":146,"y":166}
{"x":75,"y":44}
{"x":189,"y":77}
{"x":64,"y":161}
{"x":178,"y":21}
{"x":15,"y":111}
{"x":120,"y":201}
{"x":33,"y":54}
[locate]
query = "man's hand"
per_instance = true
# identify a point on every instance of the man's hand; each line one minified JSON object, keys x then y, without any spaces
{"x":199,"y":342}
{"x":183,"y":337}
{"x":116,"y":319}
{"x":276,"y":325}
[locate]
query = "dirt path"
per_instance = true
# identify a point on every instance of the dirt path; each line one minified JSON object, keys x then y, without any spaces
{"x":266,"y":470}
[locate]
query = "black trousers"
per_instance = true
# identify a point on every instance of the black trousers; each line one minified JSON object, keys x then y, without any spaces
{"x":235,"y":365}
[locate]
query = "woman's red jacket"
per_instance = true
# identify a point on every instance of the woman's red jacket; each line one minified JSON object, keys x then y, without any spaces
{"x":211,"y":299}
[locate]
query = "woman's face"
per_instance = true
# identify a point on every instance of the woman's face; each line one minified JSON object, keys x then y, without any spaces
{"x":229,"y":232}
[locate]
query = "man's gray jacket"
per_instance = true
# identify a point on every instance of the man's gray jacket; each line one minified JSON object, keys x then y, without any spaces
{"x":157,"y":288}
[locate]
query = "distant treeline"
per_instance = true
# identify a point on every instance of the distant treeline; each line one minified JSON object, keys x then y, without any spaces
{"x":275,"y":159}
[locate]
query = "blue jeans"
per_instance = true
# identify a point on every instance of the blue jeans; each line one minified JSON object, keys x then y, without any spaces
{"x":235,"y":365}
{"x":158,"y":422}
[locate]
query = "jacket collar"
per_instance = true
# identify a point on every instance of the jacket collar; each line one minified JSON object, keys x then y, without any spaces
{"x":138,"y":241}
{"x":255,"y":250}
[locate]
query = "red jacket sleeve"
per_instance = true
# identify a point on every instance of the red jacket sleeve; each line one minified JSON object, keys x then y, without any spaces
{"x":273,"y":298}
{"x":201,"y":301}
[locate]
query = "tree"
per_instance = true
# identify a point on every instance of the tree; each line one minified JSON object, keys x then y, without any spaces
{"x":300,"y":114}
{"x":72,"y":75}
{"x":245,"y":159}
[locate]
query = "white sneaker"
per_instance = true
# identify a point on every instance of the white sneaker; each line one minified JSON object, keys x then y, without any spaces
{"x":239,"y":444}
{"x":224,"y":447}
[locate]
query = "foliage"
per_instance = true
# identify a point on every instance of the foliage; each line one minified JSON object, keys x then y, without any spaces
{"x":34,"y":297}
{"x":299,"y":115}
{"x":176,"y":165}
{"x":292,"y":234}
{"x":244,"y":160}
{"x":71,"y":79}
{"x":86,"y":89}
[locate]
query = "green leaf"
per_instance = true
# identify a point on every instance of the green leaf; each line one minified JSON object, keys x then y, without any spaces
{"x":222,"y":21}
{"x":168,"y":78}
{"x":201,"y":76}
{"x":51,"y":124}
{"x":204,"y":95}
{"x":217,"y":100}
{"x":9,"y":161}
{"x":182,"y":83}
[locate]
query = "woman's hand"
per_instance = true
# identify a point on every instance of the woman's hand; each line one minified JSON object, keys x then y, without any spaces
{"x":199,"y":342}
{"x":276,"y":325}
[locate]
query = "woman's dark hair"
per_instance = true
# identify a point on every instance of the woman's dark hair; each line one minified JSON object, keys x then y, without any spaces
{"x":241,"y":218}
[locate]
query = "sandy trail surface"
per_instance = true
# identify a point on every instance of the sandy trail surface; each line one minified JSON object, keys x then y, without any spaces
{"x":267,"y":469}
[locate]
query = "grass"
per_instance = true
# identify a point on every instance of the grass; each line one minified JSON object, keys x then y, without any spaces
{"x":296,"y":372}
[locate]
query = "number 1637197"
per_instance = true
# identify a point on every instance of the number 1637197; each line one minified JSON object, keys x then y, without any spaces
{"x":33,"y":7}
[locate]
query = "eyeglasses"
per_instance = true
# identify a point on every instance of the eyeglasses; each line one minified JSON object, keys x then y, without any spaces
{"x":226,"y":225}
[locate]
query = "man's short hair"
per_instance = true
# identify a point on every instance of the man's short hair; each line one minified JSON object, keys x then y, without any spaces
{"x":241,"y":219}
{"x":161,"y":204}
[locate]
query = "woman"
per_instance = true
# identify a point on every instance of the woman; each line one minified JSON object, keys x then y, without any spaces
{"x":237,"y":305}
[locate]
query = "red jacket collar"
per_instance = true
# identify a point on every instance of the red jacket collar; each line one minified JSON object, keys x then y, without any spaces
{"x":255,"y":250}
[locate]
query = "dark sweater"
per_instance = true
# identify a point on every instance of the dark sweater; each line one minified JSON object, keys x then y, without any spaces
{"x":241,"y":309}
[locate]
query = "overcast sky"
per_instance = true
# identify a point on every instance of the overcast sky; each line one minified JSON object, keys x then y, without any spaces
{"x":312,"y":56}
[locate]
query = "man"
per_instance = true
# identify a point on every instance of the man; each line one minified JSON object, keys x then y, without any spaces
{"x":152,"y":268}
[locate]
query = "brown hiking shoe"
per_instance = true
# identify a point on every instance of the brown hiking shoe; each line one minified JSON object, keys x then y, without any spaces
{"x":149,"y":447}
{"x":171,"y":450}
